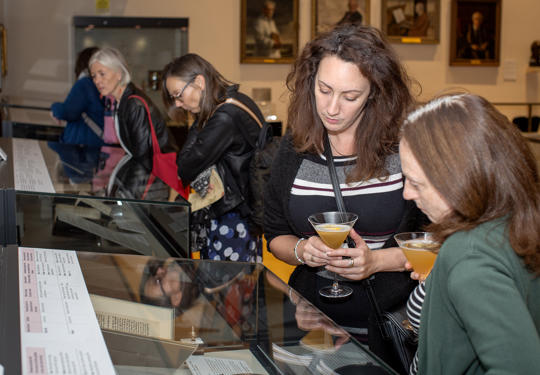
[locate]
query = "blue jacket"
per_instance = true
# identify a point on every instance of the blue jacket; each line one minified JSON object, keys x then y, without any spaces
{"x":83,"y":98}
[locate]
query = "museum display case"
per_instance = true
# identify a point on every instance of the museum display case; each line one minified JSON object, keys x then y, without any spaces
{"x":169,"y":316}
{"x":71,"y":196}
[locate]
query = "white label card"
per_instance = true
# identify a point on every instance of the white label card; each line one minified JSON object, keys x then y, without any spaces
{"x":59,"y":330}
{"x":29,"y":168}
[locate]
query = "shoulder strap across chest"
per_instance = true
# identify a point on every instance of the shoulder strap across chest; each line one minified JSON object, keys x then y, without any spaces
{"x":243,"y":107}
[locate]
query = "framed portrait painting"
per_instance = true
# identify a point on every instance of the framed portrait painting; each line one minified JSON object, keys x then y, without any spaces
{"x":3,"y":50}
{"x":411,"y":21}
{"x":269,"y":31}
{"x":475,"y":32}
{"x":325,"y":14}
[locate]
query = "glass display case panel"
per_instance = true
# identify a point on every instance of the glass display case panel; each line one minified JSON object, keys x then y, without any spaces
{"x":106,"y":225}
{"x":181,"y":313}
{"x":95,"y":198}
{"x":29,"y":121}
{"x":79,"y":170}
{"x":232,"y":310}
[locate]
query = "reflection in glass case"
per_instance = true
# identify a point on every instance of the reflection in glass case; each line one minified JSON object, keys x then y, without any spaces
{"x":90,"y":198}
{"x":148,"y":44}
{"x":177,"y":316}
{"x":101,"y":225}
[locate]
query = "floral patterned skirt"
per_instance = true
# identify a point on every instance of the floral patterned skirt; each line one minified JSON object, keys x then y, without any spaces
{"x":230,"y":239}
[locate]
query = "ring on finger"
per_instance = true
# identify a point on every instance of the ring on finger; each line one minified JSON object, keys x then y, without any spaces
{"x":351,"y":262}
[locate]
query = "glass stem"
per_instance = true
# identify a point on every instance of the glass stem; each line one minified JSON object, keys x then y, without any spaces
{"x":335,"y":284}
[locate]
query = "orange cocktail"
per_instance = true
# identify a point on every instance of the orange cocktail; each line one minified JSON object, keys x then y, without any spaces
{"x":333,"y":234}
{"x":419,"y":249}
{"x":333,"y":228}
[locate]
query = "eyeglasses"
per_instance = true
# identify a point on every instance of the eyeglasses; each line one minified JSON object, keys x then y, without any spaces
{"x":158,"y":281}
{"x":179,"y":95}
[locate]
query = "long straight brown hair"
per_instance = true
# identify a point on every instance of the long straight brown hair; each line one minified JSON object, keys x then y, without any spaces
{"x":389,"y":99}
{"x":481,"y":165}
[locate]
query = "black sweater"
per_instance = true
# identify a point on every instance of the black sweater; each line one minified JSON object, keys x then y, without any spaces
{"x":277,"y":216}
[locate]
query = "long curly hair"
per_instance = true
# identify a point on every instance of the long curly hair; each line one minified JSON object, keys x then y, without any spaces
{"x":389,"y":100}
{"x":480,"y":163}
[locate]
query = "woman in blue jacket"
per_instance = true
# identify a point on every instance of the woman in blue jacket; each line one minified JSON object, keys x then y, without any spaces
{"x":83,"y":108}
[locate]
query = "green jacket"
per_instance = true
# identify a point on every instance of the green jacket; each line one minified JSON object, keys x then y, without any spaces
{"x":481,"y":314}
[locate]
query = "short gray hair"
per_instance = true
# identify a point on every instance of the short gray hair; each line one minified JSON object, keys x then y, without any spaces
{"x":112,"y":59}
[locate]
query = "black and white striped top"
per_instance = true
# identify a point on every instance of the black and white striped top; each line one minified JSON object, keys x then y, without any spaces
{"x":414,"y":310}
{"x":378,"y":202}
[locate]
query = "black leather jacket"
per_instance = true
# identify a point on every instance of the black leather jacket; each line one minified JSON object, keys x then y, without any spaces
{"x":134,"y":128}
{"x":226,"y":140}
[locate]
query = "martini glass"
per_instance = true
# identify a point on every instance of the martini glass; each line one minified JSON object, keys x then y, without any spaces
{"x":420,"y":250}
{"x":333,"y":228}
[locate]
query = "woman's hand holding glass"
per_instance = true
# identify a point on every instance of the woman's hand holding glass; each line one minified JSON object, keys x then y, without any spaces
{"x":414,"y":275}
{"x":355,"y":263}
{"x":314,"y":252}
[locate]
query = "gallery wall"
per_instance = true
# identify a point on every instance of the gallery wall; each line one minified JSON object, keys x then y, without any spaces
{"x":40,"y":43}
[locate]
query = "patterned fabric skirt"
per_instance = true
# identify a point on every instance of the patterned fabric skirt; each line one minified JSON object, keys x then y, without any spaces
{"x":229,"y":239}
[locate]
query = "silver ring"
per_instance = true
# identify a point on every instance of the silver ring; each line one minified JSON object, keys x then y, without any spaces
{"x":351,"y":262}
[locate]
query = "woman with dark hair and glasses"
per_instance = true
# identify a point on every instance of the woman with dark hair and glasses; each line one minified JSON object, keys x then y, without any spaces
{"x":347,"y":85}
{"x":168,"y":283}
{"x":223,"y":135}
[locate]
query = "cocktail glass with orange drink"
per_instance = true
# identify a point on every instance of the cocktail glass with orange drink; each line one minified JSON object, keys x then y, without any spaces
{"x":420,"y":250}
{"x":333,"y":228}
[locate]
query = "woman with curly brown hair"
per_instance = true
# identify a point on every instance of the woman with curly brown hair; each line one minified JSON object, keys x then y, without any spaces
{"x":470,"y":170}
{"x":347,"y":85}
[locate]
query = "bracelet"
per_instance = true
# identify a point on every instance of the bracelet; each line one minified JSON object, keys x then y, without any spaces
{"x":296,"y":248}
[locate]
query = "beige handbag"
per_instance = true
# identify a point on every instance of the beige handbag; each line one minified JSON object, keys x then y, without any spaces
{"x":215,"y":192}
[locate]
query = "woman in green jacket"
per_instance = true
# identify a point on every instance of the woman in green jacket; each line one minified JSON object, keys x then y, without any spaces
{"x":468,"y":168}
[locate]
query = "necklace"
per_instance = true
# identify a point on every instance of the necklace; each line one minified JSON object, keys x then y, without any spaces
{"x":335,"y":148}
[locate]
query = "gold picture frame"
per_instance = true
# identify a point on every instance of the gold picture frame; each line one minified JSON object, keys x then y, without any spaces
{"x":325,"y":14}
{"x":475,"y":35}
{"x":269,"y":36}
{"x":3,"y":51}
{"x":411,"y":21}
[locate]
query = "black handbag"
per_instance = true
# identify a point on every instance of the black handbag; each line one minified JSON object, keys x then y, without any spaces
{"x":393,"y":325}
{"x":399,"y":331}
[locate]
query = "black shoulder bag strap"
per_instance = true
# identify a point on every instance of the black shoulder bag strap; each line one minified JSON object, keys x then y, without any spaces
{"x":341,"y":207}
